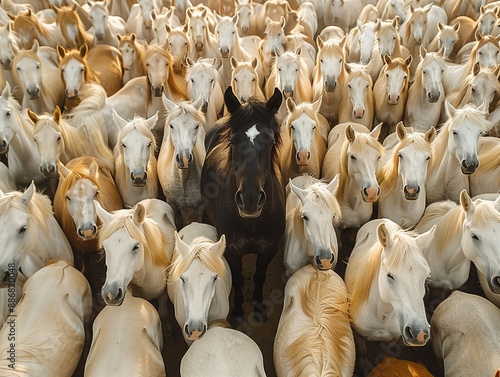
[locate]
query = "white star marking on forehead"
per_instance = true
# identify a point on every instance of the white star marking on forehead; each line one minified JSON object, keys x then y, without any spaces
{"x":252,"y":133}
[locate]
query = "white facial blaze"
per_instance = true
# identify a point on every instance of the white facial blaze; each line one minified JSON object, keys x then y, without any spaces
{"x":252,"y":133}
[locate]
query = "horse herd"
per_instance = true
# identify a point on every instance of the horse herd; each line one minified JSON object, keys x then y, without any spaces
{"x":152,"y":144}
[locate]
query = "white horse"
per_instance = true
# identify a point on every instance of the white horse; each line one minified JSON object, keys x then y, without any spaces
{"x":135,"y":163}
{"x":354,"y":152}
{"x":385,"y":278}
{"x":49,"y":324}
{"x":106,"y":26}
{"x":135,"y":323}
{"x":466,"y":336}
{"x":139,"y":19}
{"x":223,"y":352}
{"x":314,"y":335}
{"x":199,"y":280}
{"x":181,"y":158}
{"x":312,"y":211}
{"x":403,"y":176}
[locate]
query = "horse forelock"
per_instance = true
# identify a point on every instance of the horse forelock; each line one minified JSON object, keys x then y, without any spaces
{"x":199,"y":248}
{"x":325,"y":347}
{"x":75,"y":54}
{"x":39,"y":209}
{"x":79,"y":171}
{"x":484,"y":213}
{"x":23,"y":21}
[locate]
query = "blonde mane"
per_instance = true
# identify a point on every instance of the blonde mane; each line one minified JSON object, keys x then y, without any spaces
{"x":366,"y":265}
{"x":429,"y":58}
{"x":325,"y":346}
{"x":39,"y":209}
{"x":303,"y":86}
{"x":67,"y":15}
{"x":199,"y":248}
{"x":139,"y":48}
{"x":480,"y":43}
{"x":28,"y":20}
{"x":150,"y":236}
{"x":484,"y":213}
{"x":387,"y":175}
{"x":447,"y":228}
{"x":88,"y":74}
{"x":258,"y":93}
{"x":362,"y":141}
{"x":464,"y":93}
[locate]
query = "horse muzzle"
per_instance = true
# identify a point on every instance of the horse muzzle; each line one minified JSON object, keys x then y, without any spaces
{"x":183,"y":160}
{"x":48,"y":171}
{"x":71,"y":93}
{"x":195,"y":332}
{"x":393,"y":99}
{"x":287,"y":92}
{"x":494,"y":284}
{"x":411,"y":192}
{"x":469,"y":166}
{"x":33,"y":93}
{"x":138,"y":179}
{"x":224,"y":52}
{"x":250,"y":206}
{"x":358,"y":113}
{"x":8,"y":277}
{"x":4,"y":146}
{"x":6,"y":63}
{"x":370,"y":194}
{"x":99,"y":36}
{"x":87,"y":233}
{"x":330,"y":84}
{"x":433,"y":96}
{"x":112,"y":295}
{"x":303,"y":157}
{"x":415,"y":336}
{"x":157,"y":90}
{"x":199,"y":46}
{"x":324,"y":260}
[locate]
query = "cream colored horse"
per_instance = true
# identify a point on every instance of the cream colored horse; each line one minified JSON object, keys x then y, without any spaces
{"x":49,"y":324}
{"x":133,"y":325}
{"x":357,"y":103}
{"x":7,"y":182}
{"x":466,"y":335}
{"x":314,"y":336}
{"x":353,"y":152}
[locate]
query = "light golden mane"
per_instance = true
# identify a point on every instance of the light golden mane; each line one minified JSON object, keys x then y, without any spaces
{"x":150,"y":236}
{"x":258,"y":93}
{"x":88,"y":74}
{"x":67,"y":15}
{"x":325,"y":346}
{"x":484,"y":213}
{"x":448,"y":227}
{"x":465,"y":91}
{"x":303,"y":86}
{"x":480,"y":43}
{"x":199,"y":248}
{"x":330,"y":48}
{"x":27,"y":20}
{"x":39,"y":209}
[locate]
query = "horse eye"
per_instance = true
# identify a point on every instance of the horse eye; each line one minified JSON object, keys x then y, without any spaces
{"x":349,"y":86}
{"x":390,"y":276}
{"x":215,"y":278}
{"x":149,"y":144}
{"x":399,"y":155}
{"x":196,"y":128}
{"x":35,"y":141}
{"x":171,"y":126}
{"x":135,"y":248}
{"x":321,"y":60}
{"x":253,"y":79}
{"x":123,"y":145}
{"x":304,"y":217}
{"x":428,"y":158}
{"x":22,"y":229}
{"x":7,"y":114}
{"x":480,"y":53}
{"x":182,"y":279}
{"x":68,"y":198}
{"x":474,"y":237}
{"x":455,"y":133}
{"x":38,"y":67}
{"x":473,"y":90}
{"x":97,"y":193}
{"x":387,"y":75}
{"x":59,"y":138}
{"x":235,"y":79}
{"x":192,"y":80}
{"x":353,"y":158}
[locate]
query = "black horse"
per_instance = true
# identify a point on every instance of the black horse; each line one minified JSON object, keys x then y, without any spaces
{"x":242,"y":189}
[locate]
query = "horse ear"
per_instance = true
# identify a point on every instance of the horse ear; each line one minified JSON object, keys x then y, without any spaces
{"x":180,"y":246}
{"x":476,"y":69}
{"x":151,"y":121}
{"x":430,"y":135}
{"x":282,"y":21}
{"x":395,"y":22}
{"x":320,"y":42}
{"x":422,"y":51}
{"x":119,"y":37}
{"x":168,"y":104}
{"x":57,"y":114}
{"x":375,"y":133}
{"x":466,"y":202}
{"x":317,"y":104}
{"x":93,"y":169}
{"x":482,"y":9}
{"x":231,"y":100}
{"x":401,"y":131}
{"x":189,"y":61}
{"x":55,"y":9}
{"x":290,"y":105}
{"x":104,"y":215}
{"x":84,"y":49}
{"x":334,"y":184}
{"x":301,"y":194}
{"x":198,"y":103}
{"x":62,"y":170}
{"x":139,"y":214}
{"x":383,"y":235}
{"x":133,"y":37}
{"x":119,"y":121}
{"x":350,"y":134}
{"x":274,"y":102}
{"x":388,"y":59}
{"x":33,"y":116}
{"x":456,"y":26}
{"x":219,"y":247}
{"x":255,"y":62}
{"x":25,"y":198}
{"x":35,"y":46}
{"x":153,"y":14}
{"x":61,"y":52}
{"x":189,"y":13}
{"x":440,"y":26}
{"x":234,"y":61}
{"x":204,"y":13}
{"x":219,"y":18}
{"x":408,"y":60}
{"x":479,"y":35}
{"x":6,"y":91}
{"x":450,"y":110}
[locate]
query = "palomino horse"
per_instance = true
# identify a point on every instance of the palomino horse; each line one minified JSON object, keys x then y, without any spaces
{"x":107,"y":27}
{"x":100,"y":64}
{"x":35,"y":73}
{"x":330,"y":77}
{"x":49,"y":328}
{"x":390,"y":366}
{"x":179,"y":46}
{"x":181,"y":159}
{"x":245,"y":21}
{"x":312,"y":211}
{"x":29,"y":28}
{"x":314,"y":336}
{"x":357,"y":103}
{"x":204,"y":82}
{"x":199,"y":280}
{"x":462,"y":325}
{"x":16,"y":140}
{"x":139,"y":19}
{"x":135,"y":323}
{"x":353,"y":152}
{"x":82,"y":181}
{"x":244,"y":197}
{"x":426,"y":94}
{"x":204,"y":42}
{"x":71,"y":28}
{"x":402,"y":178}
{"x":455,"y":152}
{"x":222,"y":350}
{"x":389,"y":41}
{"x":290,"y":75}
{"x":304,"y":134}
{"x":390,"y":91}
{"x":245,"y":80}
{"x":135,"y":161}
{"x":132,"y":57}
{"x":385,"y":278}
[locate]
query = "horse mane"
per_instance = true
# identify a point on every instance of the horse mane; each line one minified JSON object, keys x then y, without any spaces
{"x":480,"y":43}
{"x":66,"y":15}
{"x":88,"y":74}
{"x":254,"y":109}
{"x":330,"y":47}
{"x":304,"y":90}
{"x":39,"y":209}
{"x":173,"y":84}
{"x":429,"y":57}
{"x":150,"y":237}
{"x":325,"y":346}
{"x":484,"y":212}
{"x":141,"y":126}
{"x":447,"y":227}
{"x":199,"y":248}
{"x":367,"y":264}
{"x":387,"y":175}
{"x":363,"y":140}
{"x":27,"y":20}
{"x":307,"y":109}
{"x":139,"y":48}
{"x":25,"y":124}
{"x":75,"y":142}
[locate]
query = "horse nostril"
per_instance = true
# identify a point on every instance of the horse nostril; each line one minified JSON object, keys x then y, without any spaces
{"x":178,"y":158}
{"x":186,"y":330}
{"x":94,"y":229}
{"x":262,"y":199}
{"x":80,"y":233}
{"x":317,"y":260}
{"x":190,"y":158}
{"x":408,"y":333}
{"x":238,"y":198}
{"x":52,"y":169}
{"x":41,"y":169}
